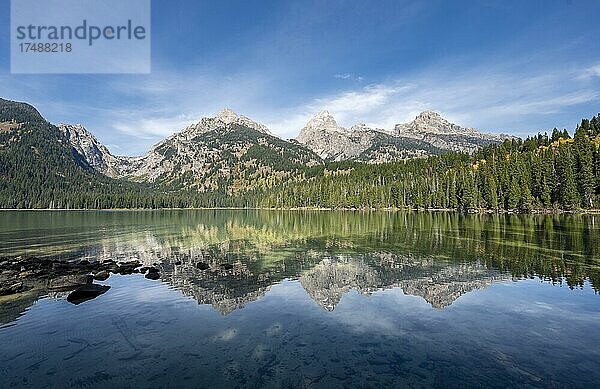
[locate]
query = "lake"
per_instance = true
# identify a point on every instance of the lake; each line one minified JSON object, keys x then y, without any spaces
{"x":308,"y":299}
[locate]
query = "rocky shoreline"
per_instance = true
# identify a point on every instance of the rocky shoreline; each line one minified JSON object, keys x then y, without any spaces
{"x":21,"y":274}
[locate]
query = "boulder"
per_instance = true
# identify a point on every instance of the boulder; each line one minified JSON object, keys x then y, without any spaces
{"x":86,"y":293}
{"x":153,"y":275}
{"x":10,"y":288}
{"x":102,"y":275}
{"x":202,"y":266}
{"x":70,"y":281}
{"x":128,"y":268}
{"x":149,"y":269}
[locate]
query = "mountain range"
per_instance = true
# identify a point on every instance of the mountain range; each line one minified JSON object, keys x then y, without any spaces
{"x":230,"y":160}
{"x":233,"y":148}
{"x":225,"y":160}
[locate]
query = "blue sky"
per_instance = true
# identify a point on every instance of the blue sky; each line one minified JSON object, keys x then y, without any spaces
{"x":500,"y":66}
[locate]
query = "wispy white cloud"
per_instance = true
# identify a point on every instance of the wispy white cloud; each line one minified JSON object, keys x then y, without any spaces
{"x":488,"y":99}
{"x":348,"y":76}
{"x":344,"y":76}
{"x":492,"y":98}
{"x":348,"y":107}
{"x":591,"y":72}
{"x":172,"y":102}
{"x":154,"y":128}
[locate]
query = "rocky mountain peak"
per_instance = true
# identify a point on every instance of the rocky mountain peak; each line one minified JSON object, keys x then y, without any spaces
{"x":323,"y":113}
{"x":430,"y":122}
{"x":227,"y":115}
{"x":94,"y":152}
{"x":428,"y":115}
{"x":360,"y":127}
{"x":330,"y":141}
{"x":431,"y":127}
{"x":323,"y":121}
{"x":223,"y":121}
{"x":428,"y":133}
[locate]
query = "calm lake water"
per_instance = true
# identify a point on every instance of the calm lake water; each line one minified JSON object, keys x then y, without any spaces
{"x":313,"y":299}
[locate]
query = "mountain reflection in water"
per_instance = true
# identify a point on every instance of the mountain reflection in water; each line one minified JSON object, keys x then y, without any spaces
{"x":305,"y":299}
{"x":437,"y":256}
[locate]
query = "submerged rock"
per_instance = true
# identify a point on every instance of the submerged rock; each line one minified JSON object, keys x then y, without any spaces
{"x":69,"y":281}
{"x":153,"y":275}
{"x":86,"y":293}
{"x":102,"y":275}
{"x":10,"y":288}
{"x":128,"y":268}
{"x":152,"y":272}
{"x":202,"y":266}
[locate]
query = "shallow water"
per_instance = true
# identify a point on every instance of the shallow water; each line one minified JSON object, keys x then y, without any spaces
{"x":314,"y":299}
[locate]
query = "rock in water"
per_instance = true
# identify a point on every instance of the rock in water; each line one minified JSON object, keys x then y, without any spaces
{"x":10,"y":288}
{"x":152,"y":275}
{"x":86,"y":292}
{"x":70,"y":281}
{"x":102,"y":275}
{"x":202,"y":266}
{"x":128,"y":268}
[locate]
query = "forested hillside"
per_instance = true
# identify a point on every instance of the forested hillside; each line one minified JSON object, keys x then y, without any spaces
{"x":40,"y":169}
{"x":542,"y":172}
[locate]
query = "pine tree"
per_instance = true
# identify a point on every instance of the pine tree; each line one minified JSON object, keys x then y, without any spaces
{"x":526,"y":200}
{"x":514,"y":194}
{"x":489,"y":187}
{"x":584,"y":164}
{"x":469,"y":191}
{"x":568,"y":194}
{"x":597,"y":169}
{"x":452,"y":199}
{"x":555,"y":134}
{"x":546,"y":195}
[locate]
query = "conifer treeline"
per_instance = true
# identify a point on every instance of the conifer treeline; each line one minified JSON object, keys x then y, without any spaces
{"x":542,"y":172}
{"x":38,"y":169}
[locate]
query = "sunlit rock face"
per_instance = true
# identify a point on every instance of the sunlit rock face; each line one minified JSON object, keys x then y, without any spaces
{"x":428,"y":134}
{"x":228,"y":148}
{"x":232,"y":148}
{"x":332,"y":142}
{"x":432,"y":128}
{"x":97,"y":156}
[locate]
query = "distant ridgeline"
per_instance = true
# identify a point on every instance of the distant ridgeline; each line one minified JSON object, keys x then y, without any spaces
{"x":557,"y":172}
{"x":40,"y":168}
